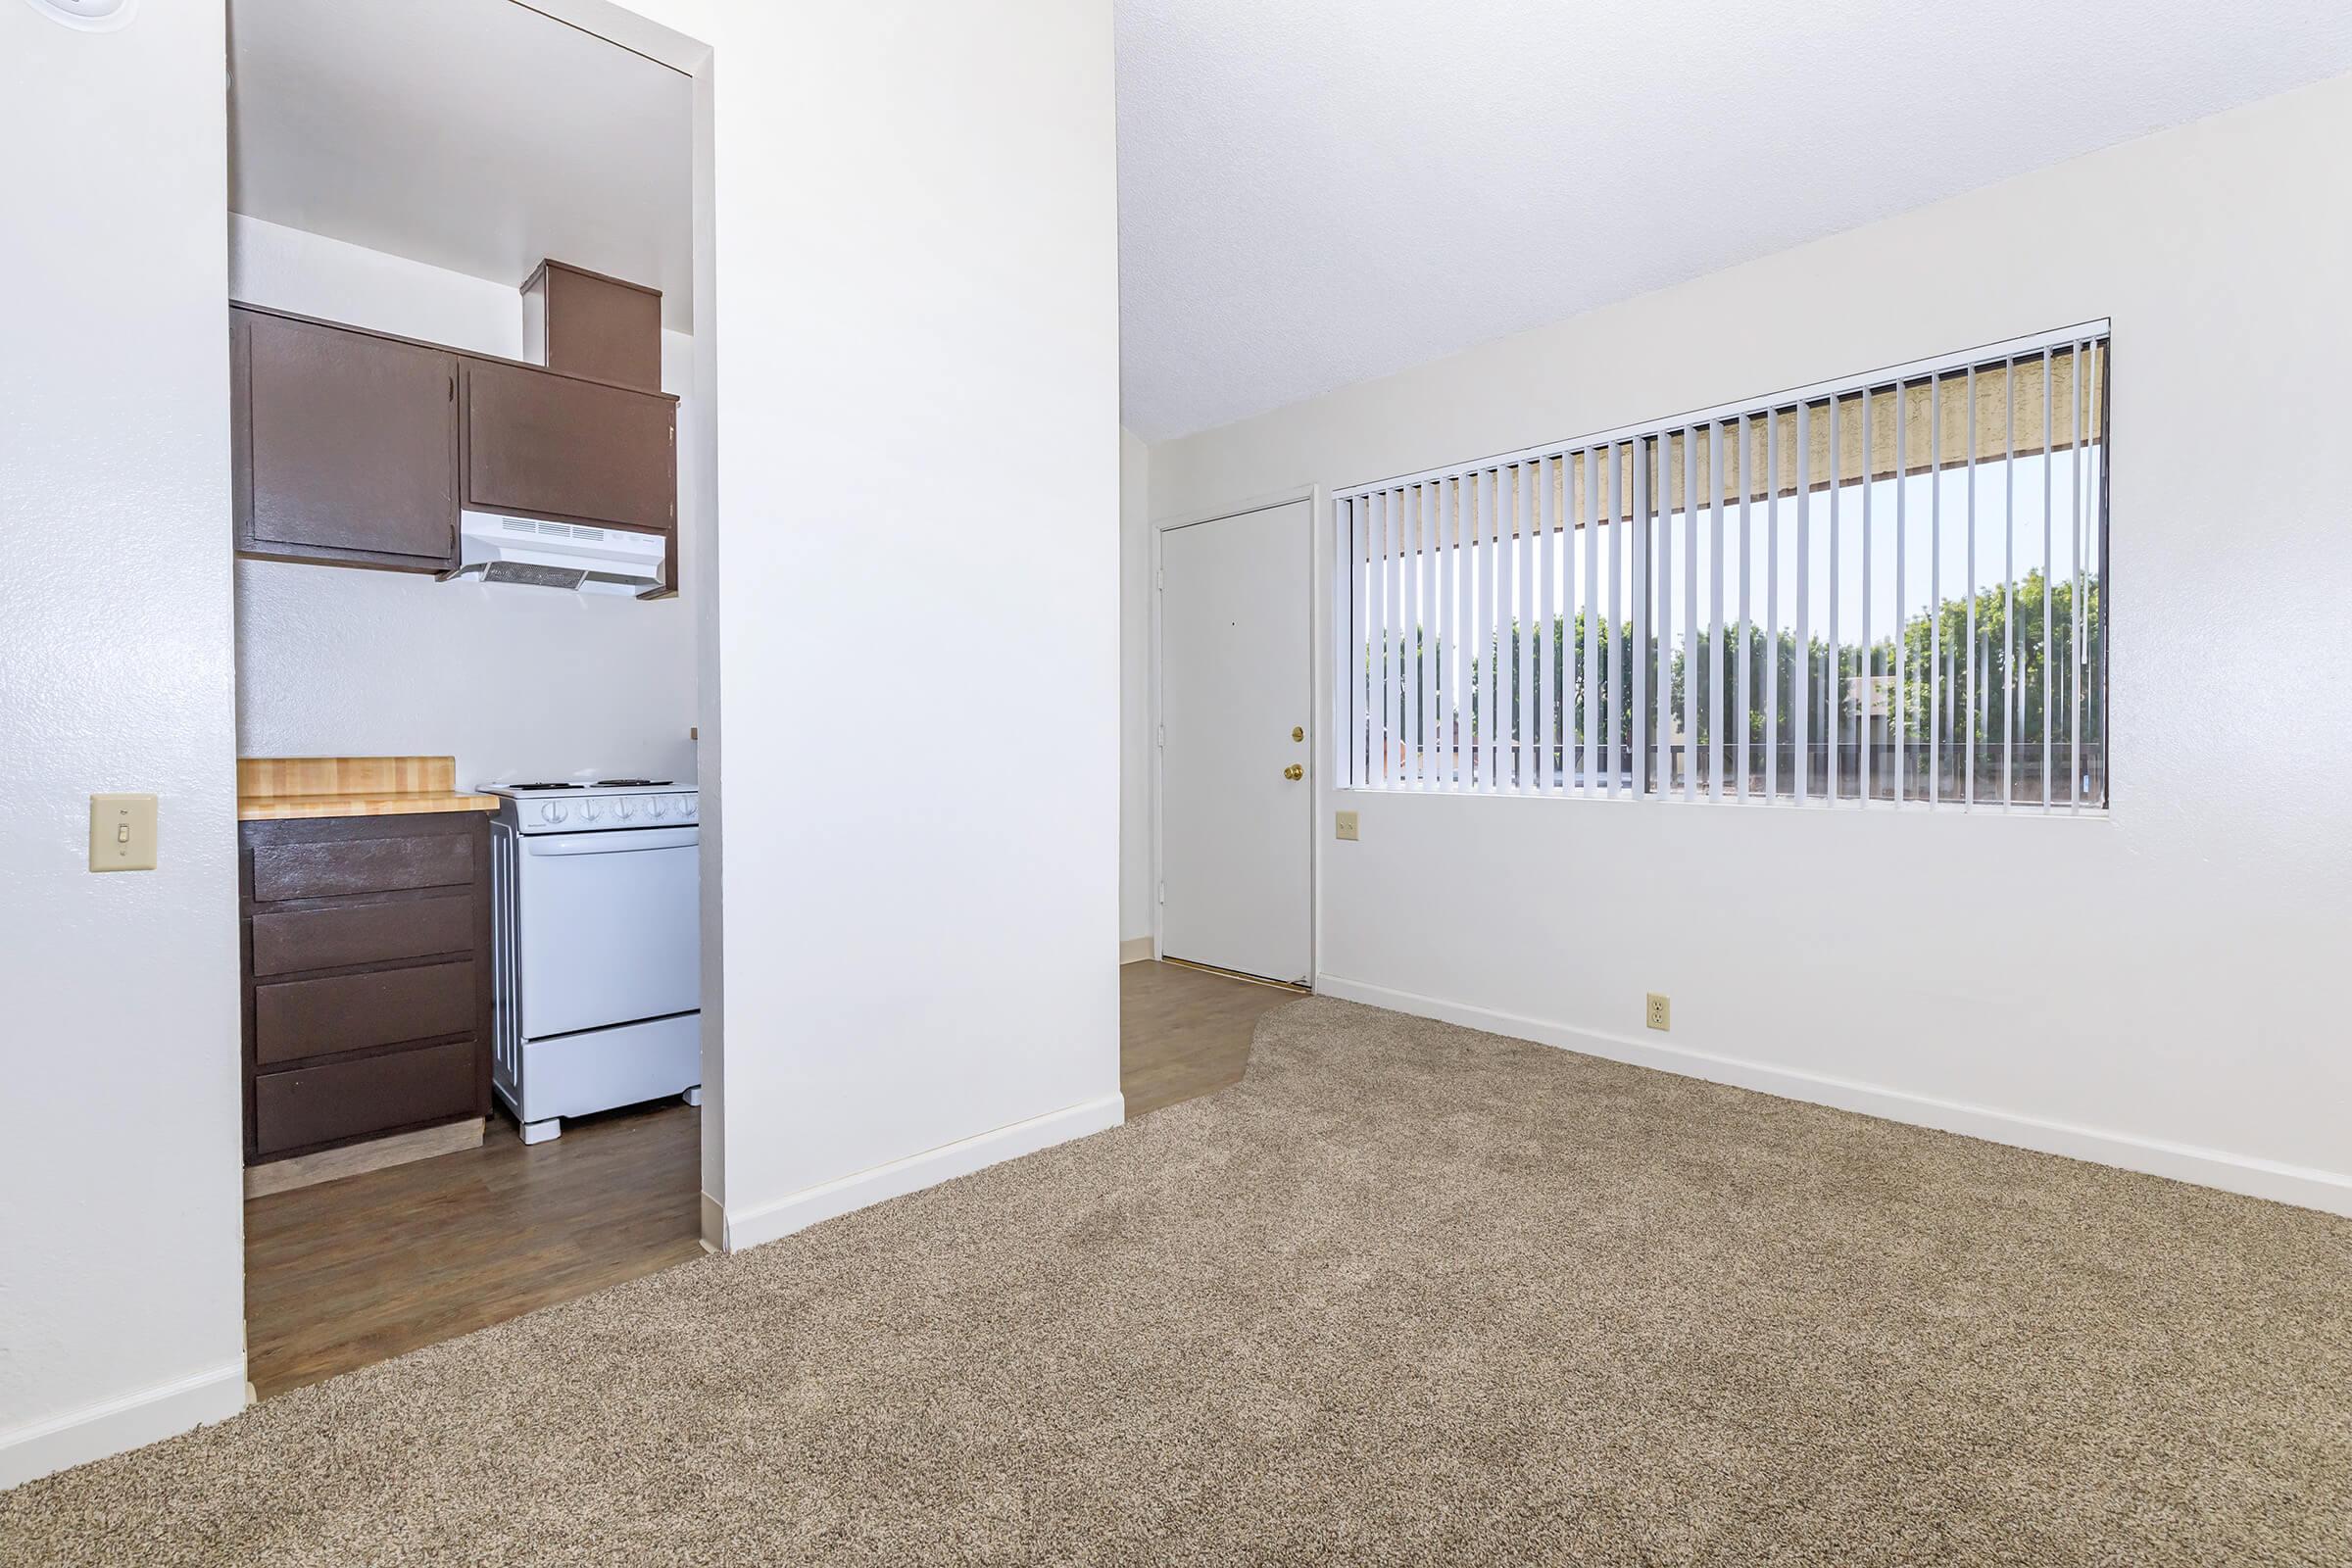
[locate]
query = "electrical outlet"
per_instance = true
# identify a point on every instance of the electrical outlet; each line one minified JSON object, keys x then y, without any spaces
{"x":1661,"y":1012}
{"x":1344,"y":823}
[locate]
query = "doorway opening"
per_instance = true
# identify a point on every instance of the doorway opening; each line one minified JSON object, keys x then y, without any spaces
{"x":475,"y":548}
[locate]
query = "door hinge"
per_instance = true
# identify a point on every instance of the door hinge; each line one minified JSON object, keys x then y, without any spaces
{"x":1163,"y":737}
{"x":1159,"y":577}
{"x":452,"y":389}
{"x":1163,"y":893}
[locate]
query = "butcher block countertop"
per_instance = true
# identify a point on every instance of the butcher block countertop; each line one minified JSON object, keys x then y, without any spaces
{"x":273,"y":789}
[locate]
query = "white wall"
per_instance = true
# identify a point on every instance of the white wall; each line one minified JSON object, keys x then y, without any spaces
{"x":120,"y":1214}
{"x":2156,"y":989}
{"x":516,"y":682}
{"x":1135,"y":689}
{"x":914,"y":639}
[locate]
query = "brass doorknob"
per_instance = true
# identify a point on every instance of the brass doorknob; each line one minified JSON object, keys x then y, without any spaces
{"x":1293,"y":772}
{"x":1298,"y":732}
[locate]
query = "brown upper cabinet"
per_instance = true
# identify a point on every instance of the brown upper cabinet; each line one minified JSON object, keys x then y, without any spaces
{"x":358,"y":448}
{"x":346,"y":445}
{"x":550,"y":446}
{"x":589,"y":325}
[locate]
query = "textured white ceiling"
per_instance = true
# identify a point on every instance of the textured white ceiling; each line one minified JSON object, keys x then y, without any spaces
{"x":477,"y":135}
{"x":1316,"y":192}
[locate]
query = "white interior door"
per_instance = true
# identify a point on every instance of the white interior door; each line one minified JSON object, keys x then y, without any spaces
{"x":1236,"y":695}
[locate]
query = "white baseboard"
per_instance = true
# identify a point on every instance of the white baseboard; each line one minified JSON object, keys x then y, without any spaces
{"x":765,"y":1222}
{"x":715,"y":1224}
{"x":2305,"y":1186}
{"x":117,"y":1425}
{"x":1135,"y":949}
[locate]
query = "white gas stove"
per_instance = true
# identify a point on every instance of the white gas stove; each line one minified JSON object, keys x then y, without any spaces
{"x":597,"y":895}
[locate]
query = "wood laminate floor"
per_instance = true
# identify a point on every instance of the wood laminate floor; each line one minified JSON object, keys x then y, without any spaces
{"x":1184,"y":1033}
{"x":355,"y":1271}
{"x":350,"y":1272}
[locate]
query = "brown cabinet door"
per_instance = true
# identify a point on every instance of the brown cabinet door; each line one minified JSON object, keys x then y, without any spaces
{"x":601,"y":326}
{"x":550,"y":446}
{"x":349,"y":445}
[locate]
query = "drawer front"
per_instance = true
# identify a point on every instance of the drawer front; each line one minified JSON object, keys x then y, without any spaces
{"x":297,"y":1018}
{"x":353,"y":1098}
{"x":329,"y":867}
{"x":291,"y":940}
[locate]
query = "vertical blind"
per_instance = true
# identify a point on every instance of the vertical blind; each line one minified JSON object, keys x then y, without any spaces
{"x":1886,"y":588}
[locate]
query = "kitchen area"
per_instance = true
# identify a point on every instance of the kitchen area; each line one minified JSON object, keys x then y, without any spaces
{"x":471,"y":859}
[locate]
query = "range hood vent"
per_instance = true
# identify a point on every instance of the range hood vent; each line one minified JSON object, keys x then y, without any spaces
{"x":573,"y":556}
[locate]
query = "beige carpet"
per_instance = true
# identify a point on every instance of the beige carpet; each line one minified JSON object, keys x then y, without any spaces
{"x":1410,"y":1293}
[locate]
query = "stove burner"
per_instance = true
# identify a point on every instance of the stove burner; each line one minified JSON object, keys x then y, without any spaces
{"x":630,"y":783}
{"x":547,"y":786}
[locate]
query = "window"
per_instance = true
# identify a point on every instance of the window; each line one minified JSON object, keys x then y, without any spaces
{"x":1888,"y":589}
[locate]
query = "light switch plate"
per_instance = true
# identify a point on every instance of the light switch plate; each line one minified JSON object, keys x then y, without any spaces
{"x":1345,"y":821}
{"x":122,"y":832}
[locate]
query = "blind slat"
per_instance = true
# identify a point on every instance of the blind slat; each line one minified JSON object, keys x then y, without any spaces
{"x":1714,"y":741}
{"x":1589,"y":603}
{"x":1408,"y":642}
{"x":1801,"y":706}
{"x":1492,"y":700}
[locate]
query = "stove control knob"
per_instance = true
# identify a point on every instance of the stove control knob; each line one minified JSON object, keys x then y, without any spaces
{"x":686,"y":807}
{"x":552,"y":811}
{"x":626,"y":807}
{"x":657,"y":807}
{"x":588,"y":811}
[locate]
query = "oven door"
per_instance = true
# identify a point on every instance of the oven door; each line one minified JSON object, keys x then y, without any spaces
{"x":610,"y":928}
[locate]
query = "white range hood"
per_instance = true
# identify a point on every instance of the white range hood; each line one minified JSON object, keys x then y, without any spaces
{"x":556,"y":555}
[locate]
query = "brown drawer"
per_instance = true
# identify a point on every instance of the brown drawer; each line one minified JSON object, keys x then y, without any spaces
{"x":297,"y":1018}
{"x":375,"y":1095}
{"x":361,"y":865}
{"x":292,"y":940}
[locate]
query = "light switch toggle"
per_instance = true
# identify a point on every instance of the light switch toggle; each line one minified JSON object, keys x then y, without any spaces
{"x":122,"y":832}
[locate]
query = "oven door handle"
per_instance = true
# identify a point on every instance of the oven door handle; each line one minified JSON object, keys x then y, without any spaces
{"x":614,"y":841}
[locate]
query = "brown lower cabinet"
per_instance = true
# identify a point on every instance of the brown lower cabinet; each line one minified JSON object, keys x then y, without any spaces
{"x":367,"y":977}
